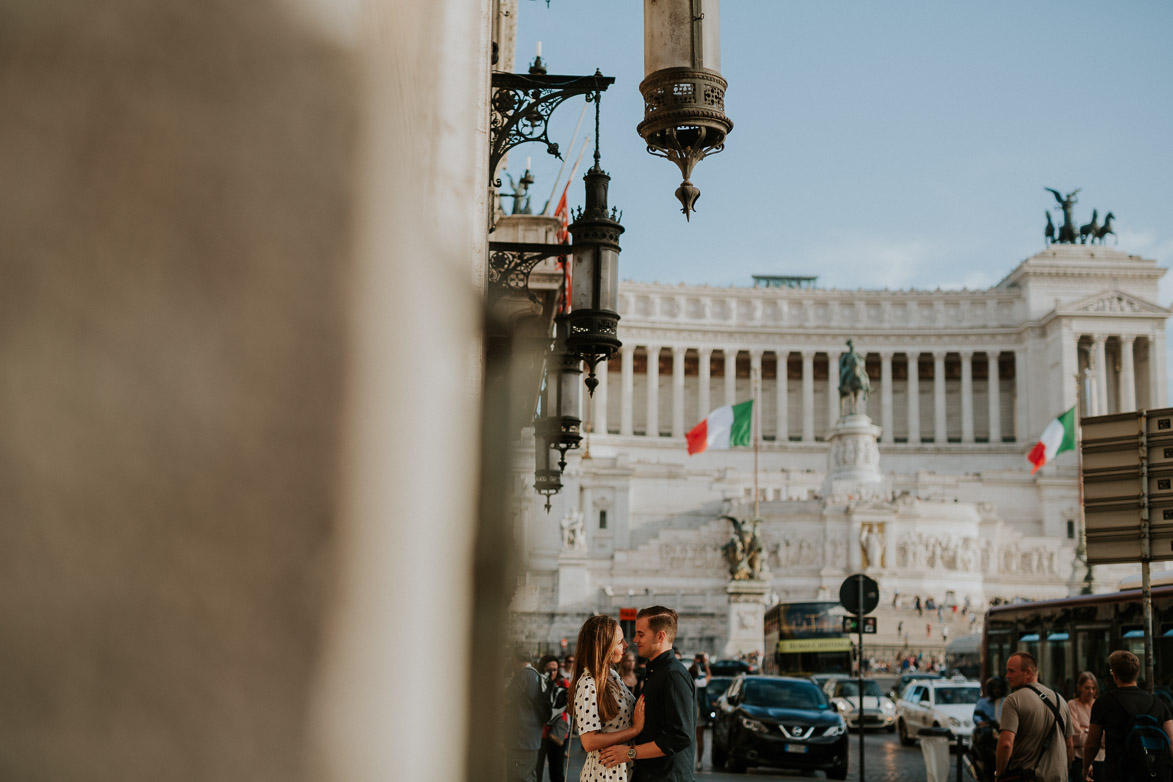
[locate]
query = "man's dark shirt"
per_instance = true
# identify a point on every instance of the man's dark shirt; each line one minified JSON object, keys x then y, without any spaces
{"x":669,"y":720}
{"x":1113,"y":712}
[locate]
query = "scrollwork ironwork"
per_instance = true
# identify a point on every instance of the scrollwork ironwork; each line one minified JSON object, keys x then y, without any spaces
{"x":510,"y":264}
{"x":522,"y":105}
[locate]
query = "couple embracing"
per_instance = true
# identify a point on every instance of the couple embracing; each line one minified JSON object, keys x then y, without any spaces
{"x":645,"y":736}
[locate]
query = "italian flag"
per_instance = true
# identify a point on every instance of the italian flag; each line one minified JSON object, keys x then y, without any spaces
{"x":723,"y":428}
{"x":1059,"y":436}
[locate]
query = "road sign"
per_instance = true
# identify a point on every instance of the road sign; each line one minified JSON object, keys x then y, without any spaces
{"x":627,"y":614}
{"x":1128,"y":486}
{"x":851,"y":625}
{"x":858,"y":601}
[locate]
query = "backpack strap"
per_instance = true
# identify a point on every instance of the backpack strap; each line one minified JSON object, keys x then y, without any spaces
{"x":1059,"y":723}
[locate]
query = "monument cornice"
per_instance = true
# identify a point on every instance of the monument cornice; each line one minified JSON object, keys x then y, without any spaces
{"x":819,"y":339}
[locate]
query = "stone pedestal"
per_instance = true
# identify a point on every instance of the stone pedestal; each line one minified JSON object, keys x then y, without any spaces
{"x":853,"y":460}
{"x":574,"y":587}
{"x":747,"y":612}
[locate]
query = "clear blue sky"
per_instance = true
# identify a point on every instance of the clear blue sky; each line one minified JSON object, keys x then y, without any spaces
{"x":883,"y":144}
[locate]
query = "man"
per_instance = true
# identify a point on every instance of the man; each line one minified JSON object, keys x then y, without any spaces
{"x":1028,"y":722}
{"x":523,"y":737}
{"x":553,"y":751}
{"x":663,"y":751}
{"x":1112,"y":716}
{"x":568,"y":667}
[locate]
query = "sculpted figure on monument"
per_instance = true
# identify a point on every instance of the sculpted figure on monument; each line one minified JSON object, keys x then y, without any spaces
{"x":573,"y":535}
{"x":854,"y":385}
{"x":872,"y":540}
{"x":1067,"y":231}
{"x":743,"y":552}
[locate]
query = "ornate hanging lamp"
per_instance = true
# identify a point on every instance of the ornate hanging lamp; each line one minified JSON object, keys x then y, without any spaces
{"x":547,"y":476}
{"x":562,"y":404}
{"x":684,"y":93}
{"x":593,"y":323}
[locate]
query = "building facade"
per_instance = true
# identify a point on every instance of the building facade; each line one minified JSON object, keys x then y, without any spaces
{"x":963,"y":383}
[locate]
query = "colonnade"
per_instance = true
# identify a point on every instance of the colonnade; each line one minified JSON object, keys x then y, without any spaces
{"x":796,"y":413}
{"x":1110,"y":367}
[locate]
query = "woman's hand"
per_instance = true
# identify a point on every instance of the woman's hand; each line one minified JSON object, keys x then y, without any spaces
{"x":637,"y":717}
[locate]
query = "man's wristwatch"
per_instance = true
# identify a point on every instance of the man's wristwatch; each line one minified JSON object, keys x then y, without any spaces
{"x":631,"y":752}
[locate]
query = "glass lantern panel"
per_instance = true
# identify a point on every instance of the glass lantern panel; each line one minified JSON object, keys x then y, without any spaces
{"x":668,"y":31}
{"x":582,"y":292}
{"x":608,"y":280}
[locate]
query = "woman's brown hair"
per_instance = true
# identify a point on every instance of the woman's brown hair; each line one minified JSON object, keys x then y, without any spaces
{"x":593,"y":654}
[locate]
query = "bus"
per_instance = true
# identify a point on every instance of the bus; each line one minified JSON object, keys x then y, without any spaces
{"x":803,"y":639}
{"x":963,"y":655}
{"x":1076,"y":634}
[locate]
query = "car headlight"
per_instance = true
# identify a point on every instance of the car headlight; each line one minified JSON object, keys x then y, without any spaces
{"x":753,"y":725}
{"x":888,"y":706}
{"x":954,"y":722}
{"x":836,"y":730}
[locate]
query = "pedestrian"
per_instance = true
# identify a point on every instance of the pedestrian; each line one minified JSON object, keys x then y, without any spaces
{"x":1086,"y":690}
{"x":917,"y":605}
{"x":607,"y":714}
{"x":1036,"y":727}
{"x":945,"y":633}
{"x":1113,"y":718}
{"x":552,"y":753}
{"x":524,"y":706}
{"x":664,"y":749}
{"x":987,"y":715}
{"x":568,"y":667}
{"x":627,"y":670}
{"x":700,"y":673}
{"x":900,"y":627}
{"x":928,"y":629}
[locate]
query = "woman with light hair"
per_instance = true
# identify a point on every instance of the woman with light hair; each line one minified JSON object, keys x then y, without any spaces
{"x":1086,"y":690}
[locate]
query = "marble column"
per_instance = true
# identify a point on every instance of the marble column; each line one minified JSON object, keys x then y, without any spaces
{"x":1021,"y":397}
{"x":833,"y":357}
{"x":913,"y":396}
{"x":599,"y":400}
{"x":940,"y":433}
{"x":1157,"y":397}
{"x":782,"y":427}
{"x":730,"y":376}
{"x":1101,"y":373}
{"x":886,"y":396}
{"x":808,"y":396}
{"x":1127,"y":374}
{"x":704,"y":362}
{"x":652,"y":428}
{"x":755,"y":376}
{"x":967,"y":396}
{"x":678,"y":355}
{"x":994,"y":386}
{"x":626,"y":363}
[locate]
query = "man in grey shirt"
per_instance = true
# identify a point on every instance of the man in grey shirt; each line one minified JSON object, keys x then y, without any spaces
{"x":1028,"y":721}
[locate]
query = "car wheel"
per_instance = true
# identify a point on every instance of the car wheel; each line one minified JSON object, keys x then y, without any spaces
{"x":737,"y":765}
{"x":718,"y":756}
{"x":905,"y":739}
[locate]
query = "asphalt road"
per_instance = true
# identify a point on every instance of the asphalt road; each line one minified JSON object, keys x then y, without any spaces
{"x":884,"y":758}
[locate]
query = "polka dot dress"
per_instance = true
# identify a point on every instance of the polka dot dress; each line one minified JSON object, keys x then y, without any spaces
{"x":587,"y":719}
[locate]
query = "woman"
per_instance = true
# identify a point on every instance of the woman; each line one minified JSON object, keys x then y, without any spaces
{"x":627,"y":670}
{"x":605,"y":710}
{"x":986,"y":716}
{"x":1086,"y":689}
{"x":701,"y":674}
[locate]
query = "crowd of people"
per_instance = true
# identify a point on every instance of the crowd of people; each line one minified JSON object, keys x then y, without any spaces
{"x":1025,"y":731}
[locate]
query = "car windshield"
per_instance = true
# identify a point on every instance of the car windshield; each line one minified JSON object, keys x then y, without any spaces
{"x":783,"y":694}
{"x":954,"y":696}
{"x":851,"y":689}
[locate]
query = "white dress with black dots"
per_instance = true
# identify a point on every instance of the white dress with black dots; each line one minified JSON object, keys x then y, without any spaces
{"x":586,"y":717}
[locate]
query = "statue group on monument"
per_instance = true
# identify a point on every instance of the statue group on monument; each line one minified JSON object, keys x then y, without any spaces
{"x":1067,"y":233}
{"x":744,"y":551}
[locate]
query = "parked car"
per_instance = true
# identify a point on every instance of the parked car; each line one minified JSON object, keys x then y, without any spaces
{"x":879,"y":711}
{"x":937,"y":703}
{"x":715,"y":689}
{"x":821,"y":679}
{"x":780,"y":722}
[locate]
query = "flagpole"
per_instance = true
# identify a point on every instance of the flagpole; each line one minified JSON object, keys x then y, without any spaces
{"x":557,"y":179}
{"x":1087,"y":576}
{"x":754,"y":383}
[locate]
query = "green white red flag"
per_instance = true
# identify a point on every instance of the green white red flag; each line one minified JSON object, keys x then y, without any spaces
{"x":1057,"y":437}
{"x":725,"y":427}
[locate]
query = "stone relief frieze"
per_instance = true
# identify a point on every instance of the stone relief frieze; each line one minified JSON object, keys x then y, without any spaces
{"x":923,"y":551}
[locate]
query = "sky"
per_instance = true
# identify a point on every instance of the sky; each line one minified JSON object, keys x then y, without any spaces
{"x":890,"y":144}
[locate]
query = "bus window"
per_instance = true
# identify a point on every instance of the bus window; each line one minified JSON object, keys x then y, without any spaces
{"x":1092,"y":647}
{"x":998,"y":646}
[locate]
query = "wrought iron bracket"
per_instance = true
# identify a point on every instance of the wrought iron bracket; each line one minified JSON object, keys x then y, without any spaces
{"x":522,"y":105}
{"x":510,"y":264}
